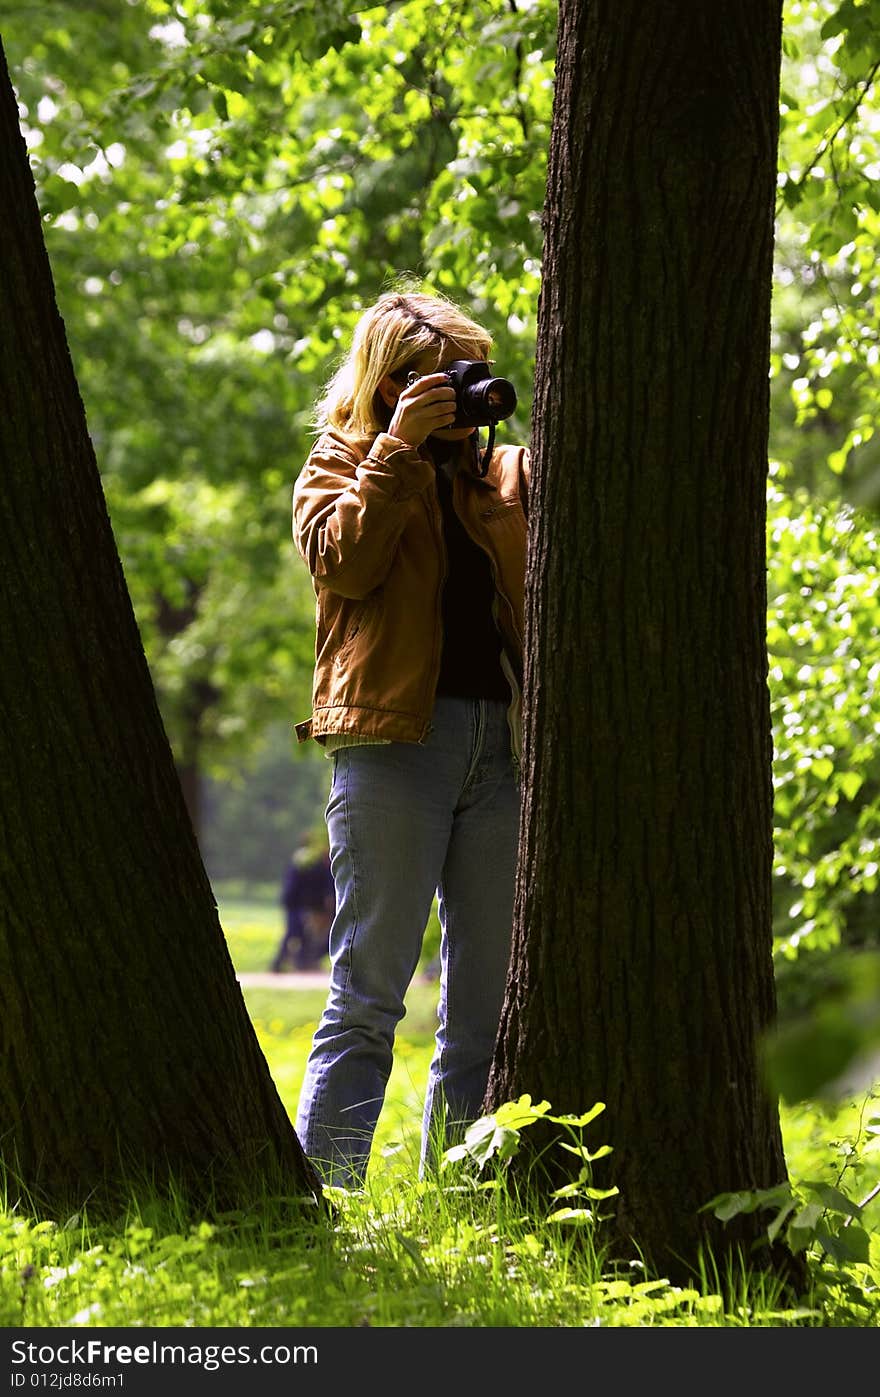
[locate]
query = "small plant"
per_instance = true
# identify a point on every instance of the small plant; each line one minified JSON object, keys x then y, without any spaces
{"x":497,"y":1138}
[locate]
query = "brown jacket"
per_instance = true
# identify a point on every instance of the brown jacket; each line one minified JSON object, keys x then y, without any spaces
{"x":367,"y":521}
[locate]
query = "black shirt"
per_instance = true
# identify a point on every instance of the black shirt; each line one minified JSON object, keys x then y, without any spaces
{"x":470,"y":665}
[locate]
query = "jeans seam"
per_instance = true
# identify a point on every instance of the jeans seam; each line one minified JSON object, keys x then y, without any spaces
{"x":321,"y":1081}
{"x":346,"y":805}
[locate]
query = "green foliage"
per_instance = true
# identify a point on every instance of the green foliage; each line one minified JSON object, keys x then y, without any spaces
{"x":817,"y":1216}
{"x":259,"y":811}
{"x":458,"y":1250}
{"x":825,"y":360}
{"x":433,"y":1252}
{"x":832,"y":1047}
{"x":426,"y":1261}
{"x":823,"y":638}
{"x":823,"y":635}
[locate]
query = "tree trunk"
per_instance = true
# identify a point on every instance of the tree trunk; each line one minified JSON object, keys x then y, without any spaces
{"x":191,"y":706}
{"x":641,"y":973}
{"x":128,"y":1054}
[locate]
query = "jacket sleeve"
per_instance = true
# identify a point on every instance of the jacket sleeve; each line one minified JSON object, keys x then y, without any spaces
{"x":348,"y":512}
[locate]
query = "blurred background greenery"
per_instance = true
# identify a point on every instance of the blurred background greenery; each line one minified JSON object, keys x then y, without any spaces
{"x":226,"y":183}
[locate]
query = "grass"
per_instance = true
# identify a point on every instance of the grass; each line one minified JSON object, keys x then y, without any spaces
{"x":253,"y":931}
{"x":460,"y":1252}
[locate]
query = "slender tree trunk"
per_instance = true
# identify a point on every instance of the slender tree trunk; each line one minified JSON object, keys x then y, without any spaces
{"x":641,"y":973}
{"x":127,"y":1048}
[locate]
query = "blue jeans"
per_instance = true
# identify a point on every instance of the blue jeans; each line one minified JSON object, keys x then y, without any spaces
{"x":407,"y":820}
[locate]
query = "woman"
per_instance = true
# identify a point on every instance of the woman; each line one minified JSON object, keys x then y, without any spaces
{"x":418,"y":564}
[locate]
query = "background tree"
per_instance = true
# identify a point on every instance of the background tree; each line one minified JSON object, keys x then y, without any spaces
{"x":128,"y":1051}
{"x":642,"y":971}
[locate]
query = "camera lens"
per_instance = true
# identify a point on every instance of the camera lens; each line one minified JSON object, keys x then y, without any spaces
{"x":500,"y":397}
{"x":480,"y":399}
{"x":490,"y":400}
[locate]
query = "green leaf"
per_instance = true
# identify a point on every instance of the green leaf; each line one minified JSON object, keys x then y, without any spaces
{"x":834,"y":24}
{"x":576,"y":1215}
{"x":850,"y":1244}
{"x":568,"y":1190}
{"x":799,"y":1239}
{"x":578,"y":1122}
{"x":485,"y":1139}
{"x":733,"y":1205}
{"x":850,"y":782}
{"x":729,"y":1205}
{"x":520,"y":1113}
{"x":833,"y":1198}
{"x":774,"y":1228}
{"x":583,"y":1153}
{"x":807,"y":1218}
{"x":59,"y":195}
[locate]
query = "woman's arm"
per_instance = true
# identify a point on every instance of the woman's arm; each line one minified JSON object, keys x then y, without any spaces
{"x":348,"y":511}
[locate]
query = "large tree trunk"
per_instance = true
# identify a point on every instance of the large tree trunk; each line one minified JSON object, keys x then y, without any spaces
{"x":191,"y":707}
{"x":641,"y":973}
{"x":127,"y":1048}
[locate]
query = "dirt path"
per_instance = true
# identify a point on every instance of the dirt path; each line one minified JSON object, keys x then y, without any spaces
{"x":288,"y":980}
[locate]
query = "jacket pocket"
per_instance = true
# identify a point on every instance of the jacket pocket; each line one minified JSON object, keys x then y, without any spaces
{"x":357,"y":627}
{"x":504,"y":508}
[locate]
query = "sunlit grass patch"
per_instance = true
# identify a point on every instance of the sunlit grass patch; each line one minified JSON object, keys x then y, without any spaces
{"x":252,"y":929}
{"x":459,"y":1250}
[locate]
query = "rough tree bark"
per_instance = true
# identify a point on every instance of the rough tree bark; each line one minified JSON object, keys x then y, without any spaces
{"x":128,"y":1053}
{"x":641,"y":973}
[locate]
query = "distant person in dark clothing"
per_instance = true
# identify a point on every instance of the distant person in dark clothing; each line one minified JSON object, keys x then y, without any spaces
{"x":309,"y":899}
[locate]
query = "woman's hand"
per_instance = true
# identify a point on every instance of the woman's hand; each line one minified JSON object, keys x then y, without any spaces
{"x":425,"y":406}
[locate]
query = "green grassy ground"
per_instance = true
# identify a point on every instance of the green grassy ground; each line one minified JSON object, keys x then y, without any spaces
{"x":455,"y":1252}
{"x":285,"y":1020}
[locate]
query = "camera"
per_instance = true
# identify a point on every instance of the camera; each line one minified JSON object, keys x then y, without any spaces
{"x":480,"y":399}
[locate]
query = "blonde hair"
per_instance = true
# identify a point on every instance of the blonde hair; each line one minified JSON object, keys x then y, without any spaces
{"x":396,"y":330}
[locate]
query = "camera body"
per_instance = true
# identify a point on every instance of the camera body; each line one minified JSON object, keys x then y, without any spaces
{"x":480,"y":399}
